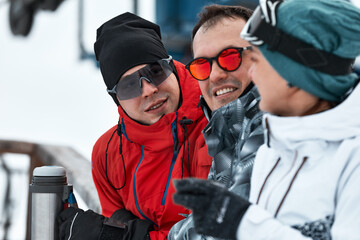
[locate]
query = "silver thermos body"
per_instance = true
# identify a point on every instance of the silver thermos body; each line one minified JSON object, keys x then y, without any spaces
{"x":49,"y":195}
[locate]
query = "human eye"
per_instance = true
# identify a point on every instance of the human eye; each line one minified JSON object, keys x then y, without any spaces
{"x":199,"y":61}
{"x":128,"y":82}
{"x":231,"y":52}
{"x":156,"y":70}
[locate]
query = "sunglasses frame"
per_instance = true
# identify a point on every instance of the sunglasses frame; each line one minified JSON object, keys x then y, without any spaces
{"x":113,"y":90}
{"x":216,"y":58}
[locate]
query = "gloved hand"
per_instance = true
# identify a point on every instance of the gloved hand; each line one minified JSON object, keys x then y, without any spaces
{"x":217,"y":212}
{"x":123,"y":215}
{"x":89,"y":225}
{"x":136,"y":228}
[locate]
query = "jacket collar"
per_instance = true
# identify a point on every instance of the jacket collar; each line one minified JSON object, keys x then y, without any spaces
{"x":228,"y":123}
{"x":333,"y":125}
{"x":206,"y":109}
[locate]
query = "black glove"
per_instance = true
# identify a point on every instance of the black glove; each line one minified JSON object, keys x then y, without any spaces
{"x":217,"y":212}
{"x":136,"y":228}
{"x":123,"y":215}
{"x":90,"y":225}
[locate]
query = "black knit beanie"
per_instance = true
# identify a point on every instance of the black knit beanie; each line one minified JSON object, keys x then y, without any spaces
{"x":125,"y":42}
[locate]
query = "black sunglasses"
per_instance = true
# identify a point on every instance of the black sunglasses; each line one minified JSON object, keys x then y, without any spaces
{"x":131,"y":85}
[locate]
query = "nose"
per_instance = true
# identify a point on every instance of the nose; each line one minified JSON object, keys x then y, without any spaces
{"x":217,"y":74}
{"x":148,"y":88}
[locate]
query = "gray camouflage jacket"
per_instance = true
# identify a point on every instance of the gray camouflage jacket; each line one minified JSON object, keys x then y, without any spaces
{"x":233,"y":135}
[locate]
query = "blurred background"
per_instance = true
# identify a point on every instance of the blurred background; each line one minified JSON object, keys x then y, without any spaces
{"x":51,"y":89}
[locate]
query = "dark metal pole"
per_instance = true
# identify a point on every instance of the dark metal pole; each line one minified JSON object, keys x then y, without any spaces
{"x":84,"y":54}
{"x":80,"y":28}
{"x":135,"y":6}
{"x":7,"y":211}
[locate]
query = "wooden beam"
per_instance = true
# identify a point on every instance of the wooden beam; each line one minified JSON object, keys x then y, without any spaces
{"x":21,"y":147}
{"x":78,"y":168}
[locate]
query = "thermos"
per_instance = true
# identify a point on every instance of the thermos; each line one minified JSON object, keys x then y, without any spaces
{"x":49,"y":196}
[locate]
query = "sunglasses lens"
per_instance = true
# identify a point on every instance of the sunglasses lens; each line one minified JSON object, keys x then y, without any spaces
{"x":229,"y":59}
{"x":200,"y":69}
{"x":130,"y":86}
{"x":158,"y":72}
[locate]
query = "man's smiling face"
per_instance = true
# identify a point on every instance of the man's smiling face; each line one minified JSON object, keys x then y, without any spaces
{"x":222,"y":87}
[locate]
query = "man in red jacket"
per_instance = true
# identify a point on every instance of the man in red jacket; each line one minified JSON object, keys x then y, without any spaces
{"x":155,"y":140}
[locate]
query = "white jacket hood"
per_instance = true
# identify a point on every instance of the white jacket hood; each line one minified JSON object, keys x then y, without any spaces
{"x":335,"y":124}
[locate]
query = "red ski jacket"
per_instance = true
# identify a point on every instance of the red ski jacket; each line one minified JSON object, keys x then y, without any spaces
{"x":140,"y":180}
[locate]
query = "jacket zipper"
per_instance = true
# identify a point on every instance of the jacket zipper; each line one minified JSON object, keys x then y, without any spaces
{"x":134,"y":188}
{"x":173,"y":160}
{"x":289,"y":187}
{"x":176,"y":151}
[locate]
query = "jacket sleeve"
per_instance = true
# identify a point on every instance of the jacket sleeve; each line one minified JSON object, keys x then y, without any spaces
{"x":347,"y":213}
{"x":258,"y":223}
{"x":109,"y":199}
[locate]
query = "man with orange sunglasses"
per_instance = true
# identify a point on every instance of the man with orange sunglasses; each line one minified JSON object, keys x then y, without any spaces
{"x":229,"y":100}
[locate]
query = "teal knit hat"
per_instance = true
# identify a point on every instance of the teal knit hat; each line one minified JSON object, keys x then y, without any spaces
{"x":331,"y":26}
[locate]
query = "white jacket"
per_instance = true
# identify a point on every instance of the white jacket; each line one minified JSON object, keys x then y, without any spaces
{"x":323,"y":200}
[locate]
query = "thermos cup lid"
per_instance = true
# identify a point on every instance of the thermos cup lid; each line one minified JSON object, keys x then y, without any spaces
{"x":47,"y":171}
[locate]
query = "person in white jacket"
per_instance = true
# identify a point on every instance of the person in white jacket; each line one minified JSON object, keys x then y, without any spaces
{"x":306,"y":176}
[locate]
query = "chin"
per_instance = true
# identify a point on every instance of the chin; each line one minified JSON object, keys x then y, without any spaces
{"x":155,"y":120}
